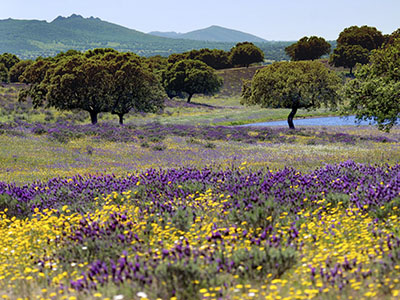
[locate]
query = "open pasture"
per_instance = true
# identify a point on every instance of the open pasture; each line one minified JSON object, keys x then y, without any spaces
{"x":171,"y":207}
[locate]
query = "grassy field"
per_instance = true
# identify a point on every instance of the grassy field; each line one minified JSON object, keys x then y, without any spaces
{"x":174,"y":206}
{"x":218,"y":110}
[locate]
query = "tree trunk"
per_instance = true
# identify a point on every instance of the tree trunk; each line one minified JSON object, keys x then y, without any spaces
{"x":351,"y":72}
{"x":189,"y":98}
{"x":291,"y":116}
{"x":93,"y":117}
{"x":121,"y":119}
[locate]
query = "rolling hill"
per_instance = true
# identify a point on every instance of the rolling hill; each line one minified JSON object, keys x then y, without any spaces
{"x":213,"y":34}
{"x":33,"y":38}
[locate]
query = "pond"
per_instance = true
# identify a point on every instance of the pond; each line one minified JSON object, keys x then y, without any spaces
{"x":324,"y":121}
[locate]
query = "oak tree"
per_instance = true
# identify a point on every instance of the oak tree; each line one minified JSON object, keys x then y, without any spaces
{"x":293,"y":85}
{"x":191,"y":77}
{"x":375,"y":92}
{"x":308,"y":48}
{"x":354,"y":45}
{"x":244,"y":54}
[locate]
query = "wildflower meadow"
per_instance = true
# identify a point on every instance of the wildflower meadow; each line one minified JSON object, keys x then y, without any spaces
{"x":161,"y":210}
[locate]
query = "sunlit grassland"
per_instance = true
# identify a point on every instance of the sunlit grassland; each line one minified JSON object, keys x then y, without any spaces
{"x":28,"y":157}
{"x":216,"y":110}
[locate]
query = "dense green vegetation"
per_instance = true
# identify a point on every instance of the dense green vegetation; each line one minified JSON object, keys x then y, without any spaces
{"x":374,"y":93}
{"x":191,"y":77}
{"x":354,"y":45}
{"x":308,"y":48}
{"x":102,"y":80}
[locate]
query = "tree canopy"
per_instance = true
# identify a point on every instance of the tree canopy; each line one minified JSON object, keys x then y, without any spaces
{"x":7,"y":61}
{"x":354,"y":45}
{"x":215,"y":58}
{"x":191,"y":77}
{"x":3,"y":73}
{"x":367,"y":37}
{"x":348,"y":56}
{"x":133,"y":86}
{"x":391,"y":38}
{"x":375,"y":92}
{"x":308,"y":48}
{"x":293,"y":85}
{"x":244,"y":54}
{"x":100,"y":80}
{"x":18,"y":69}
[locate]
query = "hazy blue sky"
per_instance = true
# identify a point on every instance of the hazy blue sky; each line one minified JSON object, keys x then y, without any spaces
{"x":269,"y":19}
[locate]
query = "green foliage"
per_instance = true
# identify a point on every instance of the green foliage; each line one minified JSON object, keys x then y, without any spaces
{"x":179,"y":278}
{"x":133,"y":86}
{"x":308,"y":48}
{"x":348,"y":56}
{"x":367,"y":37}
{"x":354,"y":45}
{"x":244,"y":54}
{"x":3,"y":73}
{"x":78,"y":82}
{"x":391,"y":38}
{"x":302,"y":84}
{"x":100,"y":80}
{"x":374,"y":93}
{"x":9,"y":60}
{"x":18,"y":69}
{"x":216,"y":59}
{"x":191,"y":77}
{"x":271,"y":260}
{"x":156,"y":63}
{"x":16,"y":208}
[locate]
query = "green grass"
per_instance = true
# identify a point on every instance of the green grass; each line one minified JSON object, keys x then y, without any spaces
{"x":26,"y":157}
{"x":216,"y":110}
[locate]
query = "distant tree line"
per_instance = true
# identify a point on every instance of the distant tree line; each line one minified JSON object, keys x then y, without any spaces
{"x":241,"y":55}
{"x":353,"y":46}
{"x":105,"y":80}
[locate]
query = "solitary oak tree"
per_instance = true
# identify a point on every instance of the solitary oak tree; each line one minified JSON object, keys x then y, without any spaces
{"x":374,"y":94}
{"x":308,"y":48}
{"x":348,"y":56}
{"x":191,"y":77}
{"x":78,"y":82}
{"x":244,"y":54}
{"x":293,"y":85}
{"x":367,"y":37}
{"x":133,"y":87}
{"x":354,"y":46}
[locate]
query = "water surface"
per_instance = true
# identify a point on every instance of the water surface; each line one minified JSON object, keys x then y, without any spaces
{"x":324,"y":121}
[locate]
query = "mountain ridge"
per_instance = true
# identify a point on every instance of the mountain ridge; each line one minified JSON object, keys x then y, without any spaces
{"x":213,"y":33}
{"x":29,"y":39}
